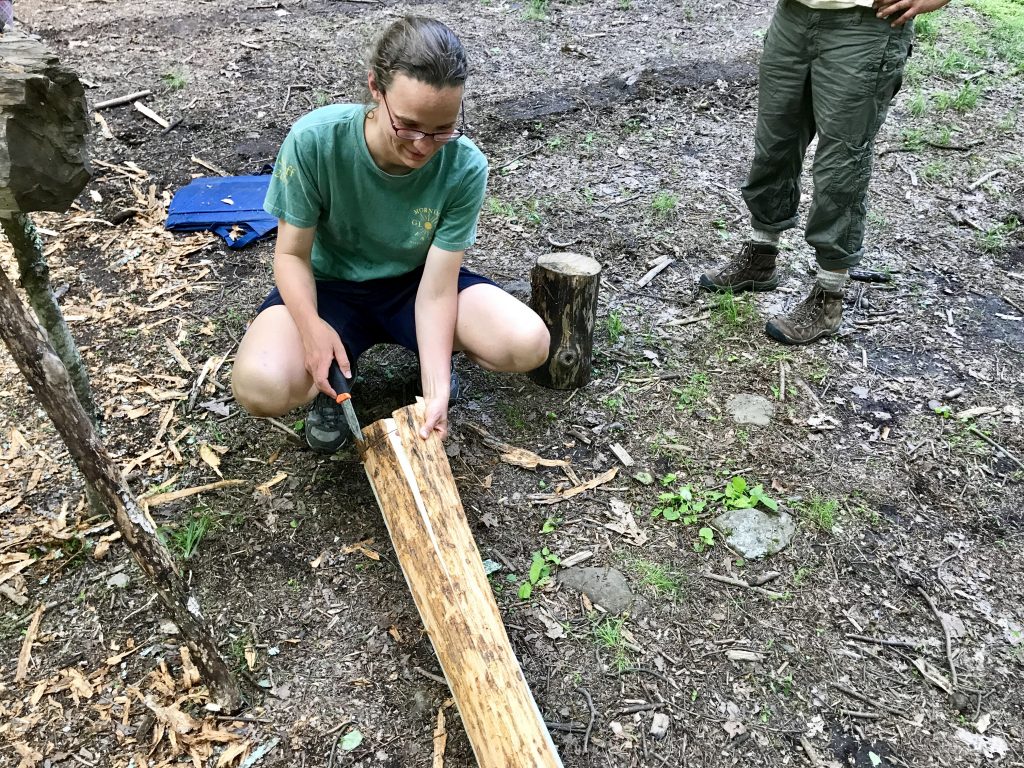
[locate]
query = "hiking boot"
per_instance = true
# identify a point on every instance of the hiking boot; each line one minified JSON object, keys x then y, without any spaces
{"x":816,"y":316}
{"x":456,"y":389}
{"x":325,"y":428}
{"x":753,"y":269}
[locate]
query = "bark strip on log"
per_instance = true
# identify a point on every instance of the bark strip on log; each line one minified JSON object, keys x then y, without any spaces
{"x":564,"y":294}
{"x":416,"y":492}
{"x":50,"y":384}
{"x":43,"y":124}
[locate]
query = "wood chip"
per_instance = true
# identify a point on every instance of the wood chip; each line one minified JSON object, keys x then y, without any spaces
{"x":510,"y":454}
{"x":179,"y":358}
{"x":622,"y":455}
{"x":147,"y":112}
{"x":26,"y":647}
{"x":166,"y":498}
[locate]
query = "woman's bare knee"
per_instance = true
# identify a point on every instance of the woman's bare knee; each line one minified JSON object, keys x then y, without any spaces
{"x":259,"y":394}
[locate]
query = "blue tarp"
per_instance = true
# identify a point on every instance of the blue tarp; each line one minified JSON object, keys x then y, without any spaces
{"x":231,"y":206}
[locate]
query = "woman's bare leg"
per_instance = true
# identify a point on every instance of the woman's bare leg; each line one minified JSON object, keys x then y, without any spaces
{"x":269,"y":376}
{"x":498,"y":331}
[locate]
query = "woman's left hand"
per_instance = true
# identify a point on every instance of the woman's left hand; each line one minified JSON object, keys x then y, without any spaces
{"x":436,"y":417}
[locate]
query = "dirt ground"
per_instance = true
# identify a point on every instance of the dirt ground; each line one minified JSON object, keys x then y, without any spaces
{"x":890,"y":632}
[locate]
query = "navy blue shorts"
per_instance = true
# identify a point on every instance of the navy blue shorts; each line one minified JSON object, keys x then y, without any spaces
{"x":373,"y":312}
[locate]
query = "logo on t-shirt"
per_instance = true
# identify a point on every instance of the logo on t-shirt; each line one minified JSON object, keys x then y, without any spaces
{"x":284,"y":171}
{"x":424,"y":220}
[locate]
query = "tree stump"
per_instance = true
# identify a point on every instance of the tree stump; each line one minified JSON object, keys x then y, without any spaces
{"x":564,"y":294}
{"x":43,"y":124}
{"x":413,"y":483}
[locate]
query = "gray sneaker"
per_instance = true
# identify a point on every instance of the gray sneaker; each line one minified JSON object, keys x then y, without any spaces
{"x":753,"y":269}
{"x":820,"y":314}
{"x":325,"y":428}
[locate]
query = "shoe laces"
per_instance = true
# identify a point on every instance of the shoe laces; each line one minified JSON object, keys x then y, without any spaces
{"x":328,"y":411}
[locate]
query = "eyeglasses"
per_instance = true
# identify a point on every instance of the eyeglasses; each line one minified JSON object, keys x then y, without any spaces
{"x":441,"y":137}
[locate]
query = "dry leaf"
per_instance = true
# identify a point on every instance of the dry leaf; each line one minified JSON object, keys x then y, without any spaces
{"x":207,"y":454}
{"x":231,"y":753}
{"x":189,"y":673}
{"x":30,"y":757}
{"x":173,"y":718}
{"x":625,"y":524}
{"x":26,"y":647}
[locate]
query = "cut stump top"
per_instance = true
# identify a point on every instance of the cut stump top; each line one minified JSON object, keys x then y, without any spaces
{"x":570,"y":264}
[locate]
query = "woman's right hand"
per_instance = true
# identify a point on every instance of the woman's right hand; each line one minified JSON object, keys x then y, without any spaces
{"x":323,"y":345}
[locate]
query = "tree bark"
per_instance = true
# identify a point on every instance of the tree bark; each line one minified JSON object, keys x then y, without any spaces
{"x":35,"y":279}
{"x":49,"y":380}
{"x":43,"y":125}
{"x":413,"y":483}
{"x":565,"y":287}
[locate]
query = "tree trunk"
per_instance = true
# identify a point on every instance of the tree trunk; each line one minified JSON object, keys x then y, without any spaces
{"x":35,"y":279}
{"x":413,"y":483}
{"x":565,"y":287}
{"x":50,"y":383}
{"x":43,"y":125}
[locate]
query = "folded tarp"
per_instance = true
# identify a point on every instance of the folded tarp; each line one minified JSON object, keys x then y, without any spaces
{"x":231,"y":206}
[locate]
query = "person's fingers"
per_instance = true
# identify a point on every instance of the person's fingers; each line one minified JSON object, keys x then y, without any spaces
{"x":885,"y":11}
{"x":911,"y":13}
{"x":342,"y":357}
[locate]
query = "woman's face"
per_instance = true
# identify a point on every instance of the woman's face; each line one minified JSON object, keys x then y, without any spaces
{"x":413,"y":105}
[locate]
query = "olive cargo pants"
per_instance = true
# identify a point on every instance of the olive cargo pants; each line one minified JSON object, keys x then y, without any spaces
{"x":832,"y":73}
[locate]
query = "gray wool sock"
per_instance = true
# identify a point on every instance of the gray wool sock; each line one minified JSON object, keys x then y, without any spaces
{"x":832,"y":281}
{"x":768,"y":238}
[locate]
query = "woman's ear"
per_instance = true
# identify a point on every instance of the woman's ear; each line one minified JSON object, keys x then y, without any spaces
{"x":371,"y":83}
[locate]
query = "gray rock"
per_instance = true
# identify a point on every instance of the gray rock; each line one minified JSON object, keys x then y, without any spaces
{"x":118,"y":580}
{"x":605,"y":586}
{"x":750,"y":409}
{"x":754,"y":533}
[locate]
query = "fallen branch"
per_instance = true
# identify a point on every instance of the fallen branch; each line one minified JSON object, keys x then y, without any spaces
{"x":167,"y":498}
{"x":119,"y":100}
{"x":654,"y":271}
{"x":945,"y":633}
{"x":997,"y":446}
{"x":742,"y":584}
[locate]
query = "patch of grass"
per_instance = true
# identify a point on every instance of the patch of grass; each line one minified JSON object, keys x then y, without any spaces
{"x":1007,"y":33}
{"x":613,"y":325}
{"x":993,"y":239}
{"x":819,"y":511}
{"x":184,"y":541}
{"x":512,"y":415}
{"x":663,"y":581}
{"x":176,"y":78}
{"x":664,"y":203}
{"x":536,"y":10}
{"x":936,"y":170}
{"x":1008,"y":124}
{"x":926,"y":28}
{"x":964,"y":100}
{"x":918,"y":103}
{"x":912,"y":138}
{"x":321,"y":98}
{"x":730,"y":311}
{"x":608,"y":634}
{"x":693,"y":393}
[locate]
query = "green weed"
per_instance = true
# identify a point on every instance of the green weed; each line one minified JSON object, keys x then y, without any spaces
{"x":175,"y":79}
{"x":731,"y":311}
{"x":609,"y":635}
{"x":994,"y":238}
{"x":536,"y":10}
{"x":693,"y":393}
{"x":541,"y":565}
{"x":664,"y":203}
{"x":663,"y":581}
{"x":613,"y":325}
{"x":185,"y":541}
{"x":819,"y":511}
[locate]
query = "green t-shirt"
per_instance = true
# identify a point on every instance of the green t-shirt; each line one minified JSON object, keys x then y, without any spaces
{"x":370,"y":224}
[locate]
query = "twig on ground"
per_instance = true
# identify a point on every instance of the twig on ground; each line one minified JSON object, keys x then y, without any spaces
{"x":740,"y":583}
{"x":997,"y":446}
{"x":945,"y":633}
{"x":634,"y":708}
{"x":565,"y":727}
{"x":431,"y":676}
{"x":284,"y":428}
{"x":881,"y":641}
{"x":860,"y":715}
{"x":593,"y":716}
{"x":654,"y":271}
{"x":529,"y":152}
{"x":812,"y":755}
{"x":867,"y":700}
{"x":986,"y":177}
{"x":1012,"y":303}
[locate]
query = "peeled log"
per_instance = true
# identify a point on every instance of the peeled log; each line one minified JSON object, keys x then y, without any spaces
{"x":43,"y":124}
{"x":417,"y":495}
{"x":564,"y":294}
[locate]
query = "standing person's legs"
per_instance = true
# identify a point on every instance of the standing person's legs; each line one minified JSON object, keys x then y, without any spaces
{"x":785,"y":126}
{"x":857,"y":72}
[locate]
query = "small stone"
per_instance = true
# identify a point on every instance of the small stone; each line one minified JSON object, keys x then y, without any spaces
{"x":754,"y":533}
{"x":644,"y":478}
{"x":659,"y":726}
{"x":750,"y":409}
{"x":118,"y":580}
{"x":605,"y":586}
